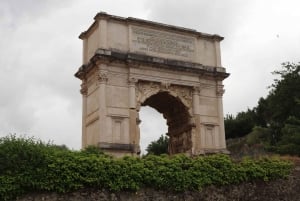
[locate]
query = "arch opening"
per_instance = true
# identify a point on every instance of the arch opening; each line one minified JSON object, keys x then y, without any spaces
{"x":177,"y":118}
{"x":152,"y":126}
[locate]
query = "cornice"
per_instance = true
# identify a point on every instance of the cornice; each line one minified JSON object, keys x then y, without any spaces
{"x":132,"y":20}
{"x":133,"y":59}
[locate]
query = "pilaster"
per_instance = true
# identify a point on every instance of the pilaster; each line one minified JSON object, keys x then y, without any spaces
{"x":133,"y":114}
{"x":132,"y":94}
{"x":196,"y":101}
{"x":196,"y":134}
{"x":220,"y":91}
{"x":84,"y":92}
{"x":101,"y":81}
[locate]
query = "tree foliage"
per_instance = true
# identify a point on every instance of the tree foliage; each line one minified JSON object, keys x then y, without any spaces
{"x":159,"y":146}
{"x":290,"y":140}
{"x":275,"y":112}
{"x":240,"y":125}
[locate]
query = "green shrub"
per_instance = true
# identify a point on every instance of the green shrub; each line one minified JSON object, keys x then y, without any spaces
{"x":29,"y":165}
{"x":259,"y":135}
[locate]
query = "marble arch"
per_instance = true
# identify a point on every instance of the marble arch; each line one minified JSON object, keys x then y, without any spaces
{"x":129,"y":63}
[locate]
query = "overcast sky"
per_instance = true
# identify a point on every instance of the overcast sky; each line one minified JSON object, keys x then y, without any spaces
{"x":40,"y":52}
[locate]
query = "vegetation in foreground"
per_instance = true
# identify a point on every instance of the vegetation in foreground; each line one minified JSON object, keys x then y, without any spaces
{"x":28,"y":165}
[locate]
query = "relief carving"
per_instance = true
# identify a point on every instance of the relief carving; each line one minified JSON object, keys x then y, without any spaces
{"x":102,"y":77}
{"x":165,"y":85}
{"x":181,"y":143}
{"x":184,"y":93}
{"x":147,"y":89}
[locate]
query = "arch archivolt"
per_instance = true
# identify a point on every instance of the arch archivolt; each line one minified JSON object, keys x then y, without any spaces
{"x":178,"y":112}
{"x":146,"y":89}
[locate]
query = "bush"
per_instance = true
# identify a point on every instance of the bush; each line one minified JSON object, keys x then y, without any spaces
{"x":259,"y":135}
{"x":35,"y":166}
{"x":290,"y":142}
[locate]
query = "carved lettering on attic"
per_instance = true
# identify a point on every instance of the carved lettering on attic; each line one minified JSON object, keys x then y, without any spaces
{"x":162,"y":42}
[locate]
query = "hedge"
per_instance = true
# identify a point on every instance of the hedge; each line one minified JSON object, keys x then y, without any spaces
{"x":28,"y":165}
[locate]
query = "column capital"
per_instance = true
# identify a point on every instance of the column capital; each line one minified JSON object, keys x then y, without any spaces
{"x":196,"y":90}
{"x":132,"y":81}
{"x":220,"y":90}
{"x":102,"y":77}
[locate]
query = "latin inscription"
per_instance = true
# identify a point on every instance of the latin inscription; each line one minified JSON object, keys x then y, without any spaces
{"x":153,"y":41}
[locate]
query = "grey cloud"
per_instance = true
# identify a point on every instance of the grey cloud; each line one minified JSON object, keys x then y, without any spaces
{"x":206,"y":16}
{"x":28,"y":9}
{"x":251,"y":49}
{"x":31,"y":70}
{"x":40,"y":52}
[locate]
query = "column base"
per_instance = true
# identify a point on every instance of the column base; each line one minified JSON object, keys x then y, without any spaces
{"x":212,"y":151}
{"x":119,"y":149}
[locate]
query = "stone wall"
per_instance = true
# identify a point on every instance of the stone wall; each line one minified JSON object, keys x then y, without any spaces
{"x":282,"y":189}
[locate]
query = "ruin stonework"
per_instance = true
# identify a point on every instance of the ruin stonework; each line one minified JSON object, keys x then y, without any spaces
{"x":129,"y":63}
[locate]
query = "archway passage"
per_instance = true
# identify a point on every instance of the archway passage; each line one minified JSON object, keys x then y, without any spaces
{"x":153,"y":125}
{"x":178,"y":120}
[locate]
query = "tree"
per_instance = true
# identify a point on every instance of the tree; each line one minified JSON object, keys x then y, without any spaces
{"x":240,"y":125}
{"x":262,"y":114}
{"x":283,"y":99}
{"x":159,"y":146}
{"x":279,"y":112}
{"x":290,"y":140}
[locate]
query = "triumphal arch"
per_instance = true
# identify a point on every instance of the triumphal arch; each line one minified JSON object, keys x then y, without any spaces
{"x":129,"y":63}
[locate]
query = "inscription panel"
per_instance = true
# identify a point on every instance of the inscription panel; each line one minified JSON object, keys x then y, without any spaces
{"x":162,"y":43}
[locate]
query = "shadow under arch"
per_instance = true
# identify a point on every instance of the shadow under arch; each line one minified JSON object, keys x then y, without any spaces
{"x":179,"y":120}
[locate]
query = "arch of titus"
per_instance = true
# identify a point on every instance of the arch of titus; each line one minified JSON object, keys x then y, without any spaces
{"x":129,"y":63}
